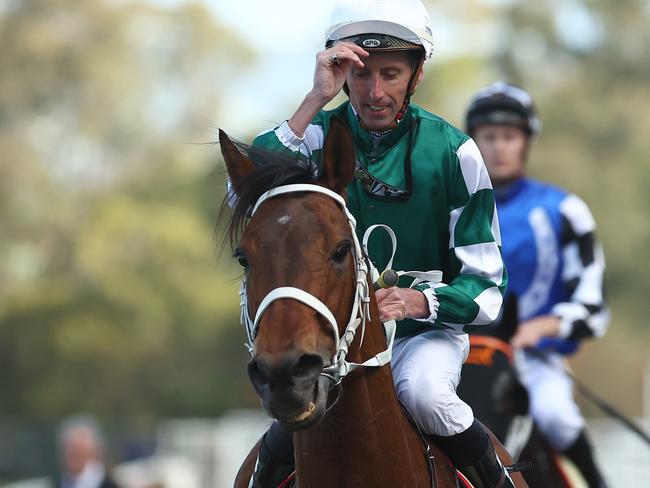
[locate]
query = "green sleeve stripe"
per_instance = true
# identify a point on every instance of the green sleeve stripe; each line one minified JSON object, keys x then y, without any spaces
{"x":456,"y":307}
{"x":469,"y":299}
{"x":283,"y":140}
{"x":474,"y":224}
{"x":269,"y":141}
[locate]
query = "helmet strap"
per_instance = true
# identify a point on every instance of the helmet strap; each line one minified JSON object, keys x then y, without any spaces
{"x":410,"y":90}
{"x":402,"y":111}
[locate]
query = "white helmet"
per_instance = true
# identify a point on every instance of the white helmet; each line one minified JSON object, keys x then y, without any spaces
{"x":404,"y":19}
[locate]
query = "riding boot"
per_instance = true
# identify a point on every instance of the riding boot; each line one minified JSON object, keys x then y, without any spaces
{"x":275,"y":460}
{"x":473,"y":455}
{"x":488,"y":472}
{"x":580,"y":453}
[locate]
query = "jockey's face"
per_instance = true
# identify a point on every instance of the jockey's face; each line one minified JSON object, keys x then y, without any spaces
{"x":504,"y":149}
{"x":377,"y":90}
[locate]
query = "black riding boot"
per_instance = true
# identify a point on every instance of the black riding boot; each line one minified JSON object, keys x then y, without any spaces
{"x":581,"y":455}
{"x":473,"y":455}
{"x":275,"y":461}
{"x":487,"y":472}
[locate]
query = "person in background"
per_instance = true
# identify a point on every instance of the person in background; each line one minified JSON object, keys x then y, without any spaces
{"x":555,"y":266}
{"x":81,"y":455}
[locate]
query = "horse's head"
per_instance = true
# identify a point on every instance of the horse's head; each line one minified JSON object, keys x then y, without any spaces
{"x":489,"y":382}
{"x":297,"y":248}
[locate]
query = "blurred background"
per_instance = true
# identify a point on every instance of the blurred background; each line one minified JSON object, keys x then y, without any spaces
{"x":114,"y":299}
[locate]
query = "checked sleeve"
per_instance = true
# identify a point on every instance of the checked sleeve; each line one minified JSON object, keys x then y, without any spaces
{"x":474,"y":295}
{"x":585,"y":314}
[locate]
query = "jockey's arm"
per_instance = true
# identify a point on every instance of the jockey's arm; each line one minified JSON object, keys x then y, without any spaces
{"x":473,"y":296}
{"x":400,"y":303}
{"x":329,"y":77}
{"x":585,"y":314}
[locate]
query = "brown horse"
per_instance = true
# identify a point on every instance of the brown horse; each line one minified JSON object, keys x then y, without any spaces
{"x":304,"y":240}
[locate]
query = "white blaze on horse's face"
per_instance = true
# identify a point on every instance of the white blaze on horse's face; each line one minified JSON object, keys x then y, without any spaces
{"x":284,"y":220}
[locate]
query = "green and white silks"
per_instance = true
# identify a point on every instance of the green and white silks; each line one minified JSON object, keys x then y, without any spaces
{"x":449,"y":222}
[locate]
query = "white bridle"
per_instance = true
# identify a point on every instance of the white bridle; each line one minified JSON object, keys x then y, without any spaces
{"x":338,"y":367}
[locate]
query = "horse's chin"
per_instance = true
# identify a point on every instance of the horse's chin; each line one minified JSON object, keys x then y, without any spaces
{"x":314,"y":410}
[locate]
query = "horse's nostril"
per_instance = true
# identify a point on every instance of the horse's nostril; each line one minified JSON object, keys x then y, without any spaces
{"x":308,"y":366}
{"x":258,"y":378}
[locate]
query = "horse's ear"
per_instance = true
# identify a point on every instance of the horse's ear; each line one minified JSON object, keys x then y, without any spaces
{"x":237,"y":164}
{"x":509,"y":318}
{"x":339,"y":160}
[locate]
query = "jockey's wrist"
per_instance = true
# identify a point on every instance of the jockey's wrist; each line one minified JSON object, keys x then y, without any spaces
{"x":417,"y":304}
{"x":288,"y":137}
{"x":554,"y":326}
{"x":432,"y":305}
{"x":544,"y":326}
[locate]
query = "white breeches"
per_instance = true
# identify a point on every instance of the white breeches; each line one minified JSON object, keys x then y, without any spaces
{"x":426,"y":371}
{"x":551,"y":399}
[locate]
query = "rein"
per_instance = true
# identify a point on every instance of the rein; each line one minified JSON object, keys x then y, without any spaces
{"x":339,"y":367}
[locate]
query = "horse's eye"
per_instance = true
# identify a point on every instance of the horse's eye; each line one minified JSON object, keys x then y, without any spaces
{"x":241,"y":258}
{"x":341,"y":252}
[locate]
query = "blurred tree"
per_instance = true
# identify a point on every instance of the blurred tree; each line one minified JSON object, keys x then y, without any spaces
{"x":463,"y":34}
{"x":110,"y":297}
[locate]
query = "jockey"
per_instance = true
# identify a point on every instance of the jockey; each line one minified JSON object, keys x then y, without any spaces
{"x":555,"y":267}
{"x":427,"y":181}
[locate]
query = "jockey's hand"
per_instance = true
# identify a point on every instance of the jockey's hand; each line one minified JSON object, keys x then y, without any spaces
{"x":329,"y":76}
{"x":399,"y":303}
{"x":530,"y":332}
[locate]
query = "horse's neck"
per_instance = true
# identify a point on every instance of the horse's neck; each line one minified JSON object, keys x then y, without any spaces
{"x":364,"y":440}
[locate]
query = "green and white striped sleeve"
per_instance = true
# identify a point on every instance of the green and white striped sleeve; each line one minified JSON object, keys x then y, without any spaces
{"x":283,"y":140}
{"x":474,"y":296}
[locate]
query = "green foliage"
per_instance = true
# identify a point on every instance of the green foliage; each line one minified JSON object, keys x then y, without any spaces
{"x":113,"y":299}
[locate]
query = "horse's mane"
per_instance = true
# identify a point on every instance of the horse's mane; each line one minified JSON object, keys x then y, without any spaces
{"x":273,"y":169}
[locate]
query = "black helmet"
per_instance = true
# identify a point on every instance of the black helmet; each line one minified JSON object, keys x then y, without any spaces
{"x":503,"y":103}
